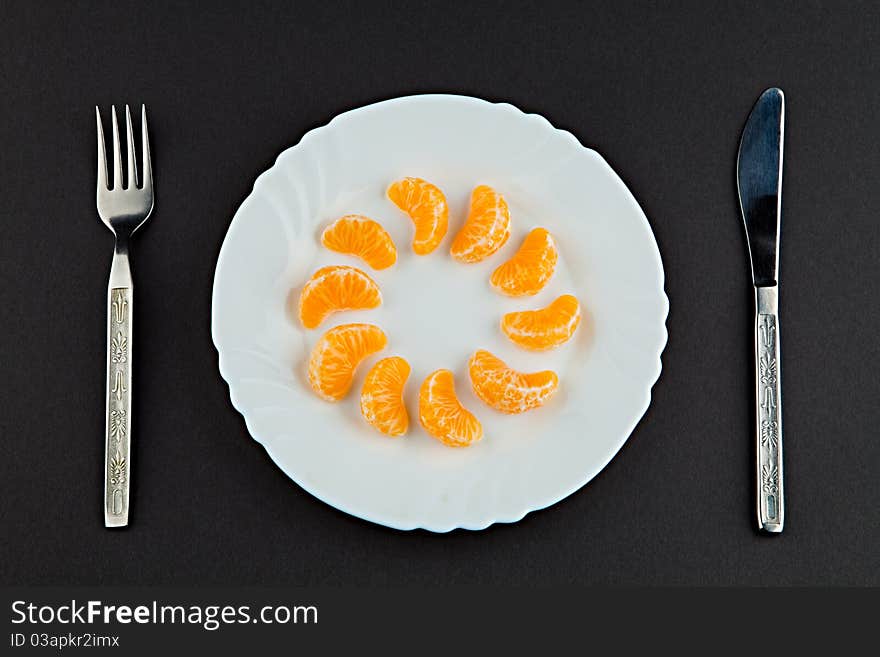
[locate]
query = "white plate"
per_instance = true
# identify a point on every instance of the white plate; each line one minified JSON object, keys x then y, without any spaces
{"x":437,"y":311}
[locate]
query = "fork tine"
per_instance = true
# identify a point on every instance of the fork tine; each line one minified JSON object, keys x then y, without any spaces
{"x":117,"y":154}
{"x":102,"y":152}
{"x":146,"y":168}
{"x":132,"y":167}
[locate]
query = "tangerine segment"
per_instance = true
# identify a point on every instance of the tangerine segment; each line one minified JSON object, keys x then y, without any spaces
{"x":544,"y":328}
{"x":487,"y":227}
{"x":338,"y":353}
{"x":357,"y":235}
{"x":443,"y":416}
{"x":335,"y":288}
{"x":507,"y":390}
{"x":382,"y":396}
{"x":426,"y":206}
{"x":528,"y":271}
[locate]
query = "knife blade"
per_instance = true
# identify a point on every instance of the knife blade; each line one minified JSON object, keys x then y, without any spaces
{"x":759,"y":183}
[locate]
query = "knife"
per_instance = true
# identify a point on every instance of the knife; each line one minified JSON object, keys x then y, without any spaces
{"x":759,"y":182}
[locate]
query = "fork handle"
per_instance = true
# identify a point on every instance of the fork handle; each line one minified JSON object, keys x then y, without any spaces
{"x":768,"y":413}
{"x":117,"y":446}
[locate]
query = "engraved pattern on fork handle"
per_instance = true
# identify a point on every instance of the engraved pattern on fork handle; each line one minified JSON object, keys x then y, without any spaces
{"x":768,"y":414}
{"x":117,"y":460}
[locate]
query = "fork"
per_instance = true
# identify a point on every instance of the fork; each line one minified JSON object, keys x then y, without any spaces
{"x":123,"y":209}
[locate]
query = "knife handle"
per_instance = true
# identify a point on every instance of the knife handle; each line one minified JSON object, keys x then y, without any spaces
{"x":768,"y":412}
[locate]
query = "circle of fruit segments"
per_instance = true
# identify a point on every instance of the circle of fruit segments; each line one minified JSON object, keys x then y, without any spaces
{"x":487,"y":227}
{"x":338,"y":353}
{"x":544,"y":328}
{"x":382,"y":396}
{"x":528,"y":271}
{"x":360,"y":236}
{"x":426,"y":206}
{"x":333,"y":289}
{"x":504,"y":388}
{"x":443,"y":416}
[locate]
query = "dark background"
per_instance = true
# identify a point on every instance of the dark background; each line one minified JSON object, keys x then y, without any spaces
{"x":662,"y":93}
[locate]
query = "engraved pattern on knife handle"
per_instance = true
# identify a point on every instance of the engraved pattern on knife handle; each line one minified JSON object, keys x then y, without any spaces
{"x":769,"y":422}
{"x":118,"y":433}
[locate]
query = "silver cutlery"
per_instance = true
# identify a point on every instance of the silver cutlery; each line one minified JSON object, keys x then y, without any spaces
{"x":759,"y":180}
{"x":124,"y":209}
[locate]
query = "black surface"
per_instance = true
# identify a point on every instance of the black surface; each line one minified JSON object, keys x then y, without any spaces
{"x":661,"y":93}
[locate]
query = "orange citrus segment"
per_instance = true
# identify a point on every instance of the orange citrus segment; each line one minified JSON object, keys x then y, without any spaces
{"x":336,"y":288}
{"x":382,"y":396}
{"x":443,"y":416}
{"x":426,"y":206}
{"x":360,"y":236}
{"x":530,"y":268}
{"x":338,"y":353}
{"x":487,"y":227}
{"x":506,"y":389}
{"x":544,"y":328}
